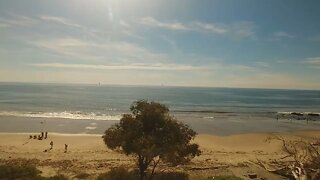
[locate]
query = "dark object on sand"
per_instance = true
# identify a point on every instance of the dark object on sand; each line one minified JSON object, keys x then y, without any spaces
{"x":34,"y":136}
{"x":65,"y":148}
{"x":252,"y":175}
{"x":51,"y":144}
{"x":42,"y":134}
{"x":30,"y":137}
{"x":46,"y":135}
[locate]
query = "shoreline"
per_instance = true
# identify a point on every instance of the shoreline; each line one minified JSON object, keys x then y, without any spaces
{"x":302,"y":132}
{"x":219,"y":124}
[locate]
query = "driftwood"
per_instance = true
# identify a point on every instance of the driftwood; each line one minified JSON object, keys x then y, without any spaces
{"x":305,"y":155}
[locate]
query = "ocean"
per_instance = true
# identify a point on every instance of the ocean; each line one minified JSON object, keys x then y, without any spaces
{"x":96,"y":103}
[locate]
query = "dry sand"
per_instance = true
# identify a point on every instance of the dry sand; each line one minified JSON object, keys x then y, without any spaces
{"x":235,"y":154}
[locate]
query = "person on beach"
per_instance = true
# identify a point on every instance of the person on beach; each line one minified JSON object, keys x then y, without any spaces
{"x":51,"y":145}
{"x":65,"y":148}
{"x":42,"y":135}
{"x":46,"y":135}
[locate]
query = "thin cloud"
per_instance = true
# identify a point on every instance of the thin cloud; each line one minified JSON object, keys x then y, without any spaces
{"x":61,"y":21}
{"x":116,"y":51}
{"x":314,"y":62}
{"x":281,"y":34}
{"x":65,"y":22}
{"x":158,"y":67}
{"x":207,"y":27}
{"x":242,"y":29}
{"x":149,"y":21}
{"x":16,"y":20}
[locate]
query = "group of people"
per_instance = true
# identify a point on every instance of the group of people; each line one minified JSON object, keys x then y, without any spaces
{"x":43,"y":135}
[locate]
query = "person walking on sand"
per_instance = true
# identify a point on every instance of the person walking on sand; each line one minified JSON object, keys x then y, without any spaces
{"x":65,"y":148}
{"x":46,"y":135}
{"x":51,"y":144}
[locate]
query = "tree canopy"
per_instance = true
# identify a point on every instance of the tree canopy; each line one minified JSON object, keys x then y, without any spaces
{"x":151,"y":134}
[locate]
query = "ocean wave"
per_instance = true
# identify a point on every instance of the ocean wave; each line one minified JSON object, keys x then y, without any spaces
{"x":64,"y":115}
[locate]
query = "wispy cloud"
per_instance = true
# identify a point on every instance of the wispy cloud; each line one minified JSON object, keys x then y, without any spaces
{"x":238,"y":29}
{"x":66,"y":22}
{"x":313,"y":62}
{"x":150,"y":21}
{"x":207,"y":27}
{"x":158,"y":67}
{"x":114,"y":51}
{"x":61,"y":20}
{"x":244,"y":29}
{"x":16,"y":20}
{"x":281,"y":34}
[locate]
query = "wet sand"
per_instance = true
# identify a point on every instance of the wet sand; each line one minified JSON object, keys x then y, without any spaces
{"x":221,"y":124}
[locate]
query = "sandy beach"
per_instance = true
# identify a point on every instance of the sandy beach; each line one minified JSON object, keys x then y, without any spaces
{"x":235,"y":154}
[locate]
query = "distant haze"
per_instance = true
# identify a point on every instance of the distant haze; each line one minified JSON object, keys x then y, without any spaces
{"x":254,"y":44}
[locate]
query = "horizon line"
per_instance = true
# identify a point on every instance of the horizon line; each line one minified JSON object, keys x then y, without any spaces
{"x":149,"y":85}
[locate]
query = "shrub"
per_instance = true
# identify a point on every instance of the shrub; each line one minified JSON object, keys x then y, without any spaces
{"x":18,"y":172}
{"x":25,"y":172}
{"x":57,"y":177}
{"x":172,"y":176}
{"x":228,"y":177}
{"x":82,"y":176}
{"x":122,"y":173}
{"x":119,"y":173}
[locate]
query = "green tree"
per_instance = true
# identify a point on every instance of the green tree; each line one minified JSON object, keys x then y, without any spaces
{"x":152,"y":135}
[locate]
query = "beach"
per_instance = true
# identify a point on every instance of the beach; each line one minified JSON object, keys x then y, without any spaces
{"x":240,"y":154}
{"x":233,"y":125}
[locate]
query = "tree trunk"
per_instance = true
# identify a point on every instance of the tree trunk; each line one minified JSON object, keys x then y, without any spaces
{"x":142,"y":168}
{"x":155,"y":163}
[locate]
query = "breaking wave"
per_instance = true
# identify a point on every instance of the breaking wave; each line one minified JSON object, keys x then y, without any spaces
{"x":64,"y":115}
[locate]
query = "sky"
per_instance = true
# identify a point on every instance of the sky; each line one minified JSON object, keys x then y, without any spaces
{"x":215,"y":43}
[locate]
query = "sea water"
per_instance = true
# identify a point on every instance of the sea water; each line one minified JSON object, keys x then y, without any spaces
{"x":109,"y":102}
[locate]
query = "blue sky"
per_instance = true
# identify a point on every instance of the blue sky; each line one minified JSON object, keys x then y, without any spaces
{"x":229,"y":43}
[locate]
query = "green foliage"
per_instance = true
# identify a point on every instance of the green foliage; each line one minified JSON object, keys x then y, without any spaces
{"x":82,"y":176}
{"x":119,"y":173}
{"x":57,"y":177}
{"x":18,"y":172}
{"x":172,"y":176}
{"x":122,"y":173}
{"x":151,"y":134}
{"x":25,"y":172}
{"x":228,"y":177}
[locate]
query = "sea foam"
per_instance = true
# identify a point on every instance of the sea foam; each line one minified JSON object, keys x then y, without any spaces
{"x":64,"y":115}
